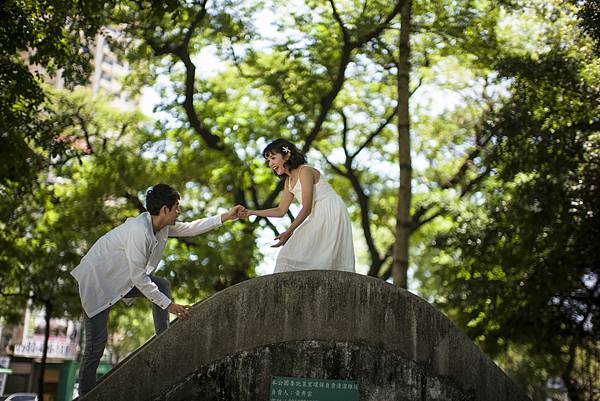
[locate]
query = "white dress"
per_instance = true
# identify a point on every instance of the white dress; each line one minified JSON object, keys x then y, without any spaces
{"x":324,"y":240}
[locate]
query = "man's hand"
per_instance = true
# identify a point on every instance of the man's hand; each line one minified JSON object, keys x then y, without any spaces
{"x":233,"y":213}
{"x":181,"y":311}
{"x":243,"y":214}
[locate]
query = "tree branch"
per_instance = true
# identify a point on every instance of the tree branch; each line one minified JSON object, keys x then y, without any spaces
{"x":86,"y":134}
{"x":211,"y":140}
{"x":197,"y":20}
{"x":373,"y":134}
{"x":344,"y":133}
{"x":383,"y":25}
{"x":348,"y":47}
{"x":481,"y":142}
{"x":338,"y":19}
{"x":238,"y":66}
{"x":412,"y":92}
{"x":135,"y":202}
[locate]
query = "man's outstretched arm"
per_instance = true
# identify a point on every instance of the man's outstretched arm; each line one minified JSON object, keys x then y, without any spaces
{"x":200,"y":226}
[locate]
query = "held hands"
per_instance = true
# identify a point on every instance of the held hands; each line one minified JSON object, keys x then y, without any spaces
{"x":245,"y":213}
{"x":233,"y":213}
{"x":282,"y":238}
{"x":181,"y":311}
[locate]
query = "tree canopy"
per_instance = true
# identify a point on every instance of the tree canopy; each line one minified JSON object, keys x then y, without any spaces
{"x":504,"y":133}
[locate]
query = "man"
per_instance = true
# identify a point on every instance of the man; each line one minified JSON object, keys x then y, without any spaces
{"x":121,"y":265}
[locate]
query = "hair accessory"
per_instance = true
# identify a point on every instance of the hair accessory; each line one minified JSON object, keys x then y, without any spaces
{"x":286,"y":149}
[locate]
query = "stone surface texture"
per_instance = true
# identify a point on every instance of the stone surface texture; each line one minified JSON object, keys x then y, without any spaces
{"x":319,"y":324}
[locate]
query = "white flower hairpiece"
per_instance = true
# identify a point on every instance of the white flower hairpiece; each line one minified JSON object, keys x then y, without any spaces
{"x":286,"y":149}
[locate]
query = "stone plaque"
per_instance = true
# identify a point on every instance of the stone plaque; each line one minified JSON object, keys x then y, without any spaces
{"x":307,"y":389}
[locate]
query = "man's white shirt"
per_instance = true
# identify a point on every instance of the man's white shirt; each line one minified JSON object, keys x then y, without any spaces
{"x":124,"y":258}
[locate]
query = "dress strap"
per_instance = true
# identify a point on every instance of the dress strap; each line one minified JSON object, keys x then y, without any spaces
{"x":290,"y":180}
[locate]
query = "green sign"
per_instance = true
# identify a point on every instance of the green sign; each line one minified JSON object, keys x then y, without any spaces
{"x":305,"y":389}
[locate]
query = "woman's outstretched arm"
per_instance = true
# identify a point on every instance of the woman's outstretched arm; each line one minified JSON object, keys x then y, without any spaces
{"x":307,"y":181}
{"x":286,"y":200}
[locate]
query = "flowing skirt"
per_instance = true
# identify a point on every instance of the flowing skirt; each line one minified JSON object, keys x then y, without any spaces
{"x":323,"y":241}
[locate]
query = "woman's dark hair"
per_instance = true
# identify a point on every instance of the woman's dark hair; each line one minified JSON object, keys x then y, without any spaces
{"x":160,"y":195}
{"x":283,"y":147}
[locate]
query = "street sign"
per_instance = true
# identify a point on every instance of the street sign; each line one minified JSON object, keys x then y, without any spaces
{"x":311,"y":389}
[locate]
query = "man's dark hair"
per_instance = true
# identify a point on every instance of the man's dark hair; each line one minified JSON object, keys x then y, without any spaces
{"x":160,"y":195}
{"x":283,"y":147}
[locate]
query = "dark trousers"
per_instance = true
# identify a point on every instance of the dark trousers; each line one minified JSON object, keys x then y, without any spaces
{"x":96,"y":334}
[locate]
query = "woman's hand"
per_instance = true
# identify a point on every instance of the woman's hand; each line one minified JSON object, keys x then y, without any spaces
{"x":282,"y":238}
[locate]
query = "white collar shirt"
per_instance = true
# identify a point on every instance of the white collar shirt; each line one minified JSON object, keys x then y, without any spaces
{"x":124,"y":258}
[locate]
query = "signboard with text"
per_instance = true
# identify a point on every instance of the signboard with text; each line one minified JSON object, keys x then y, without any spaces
{"x":310,"y":389}
{"x":62,"y":343}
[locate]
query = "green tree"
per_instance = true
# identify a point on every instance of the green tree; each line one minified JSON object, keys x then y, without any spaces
{"x":113,"y":156}
{"x":39,"y":262}
{"x":589,"y":15}
{"x":520,"y":263}
{"x":452,"y":47}
{"x":38,"y":39}
{"x":43,"y":38}
{"x":49,"y":229}
{"x":327,"y":80}
{"x":288,"y":90}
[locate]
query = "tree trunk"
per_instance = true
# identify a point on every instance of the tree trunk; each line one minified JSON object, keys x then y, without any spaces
{"x":47,"y":314}
{"x":403,"y":221}
{"x":570,"y":380}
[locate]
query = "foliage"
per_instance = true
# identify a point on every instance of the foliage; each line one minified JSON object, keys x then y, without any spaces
{"x":43,"y":233}
{"x":43,"y":38}
{"x":504,"y":132}
{"x":589,"y":15}
{"x":520,"y":263}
